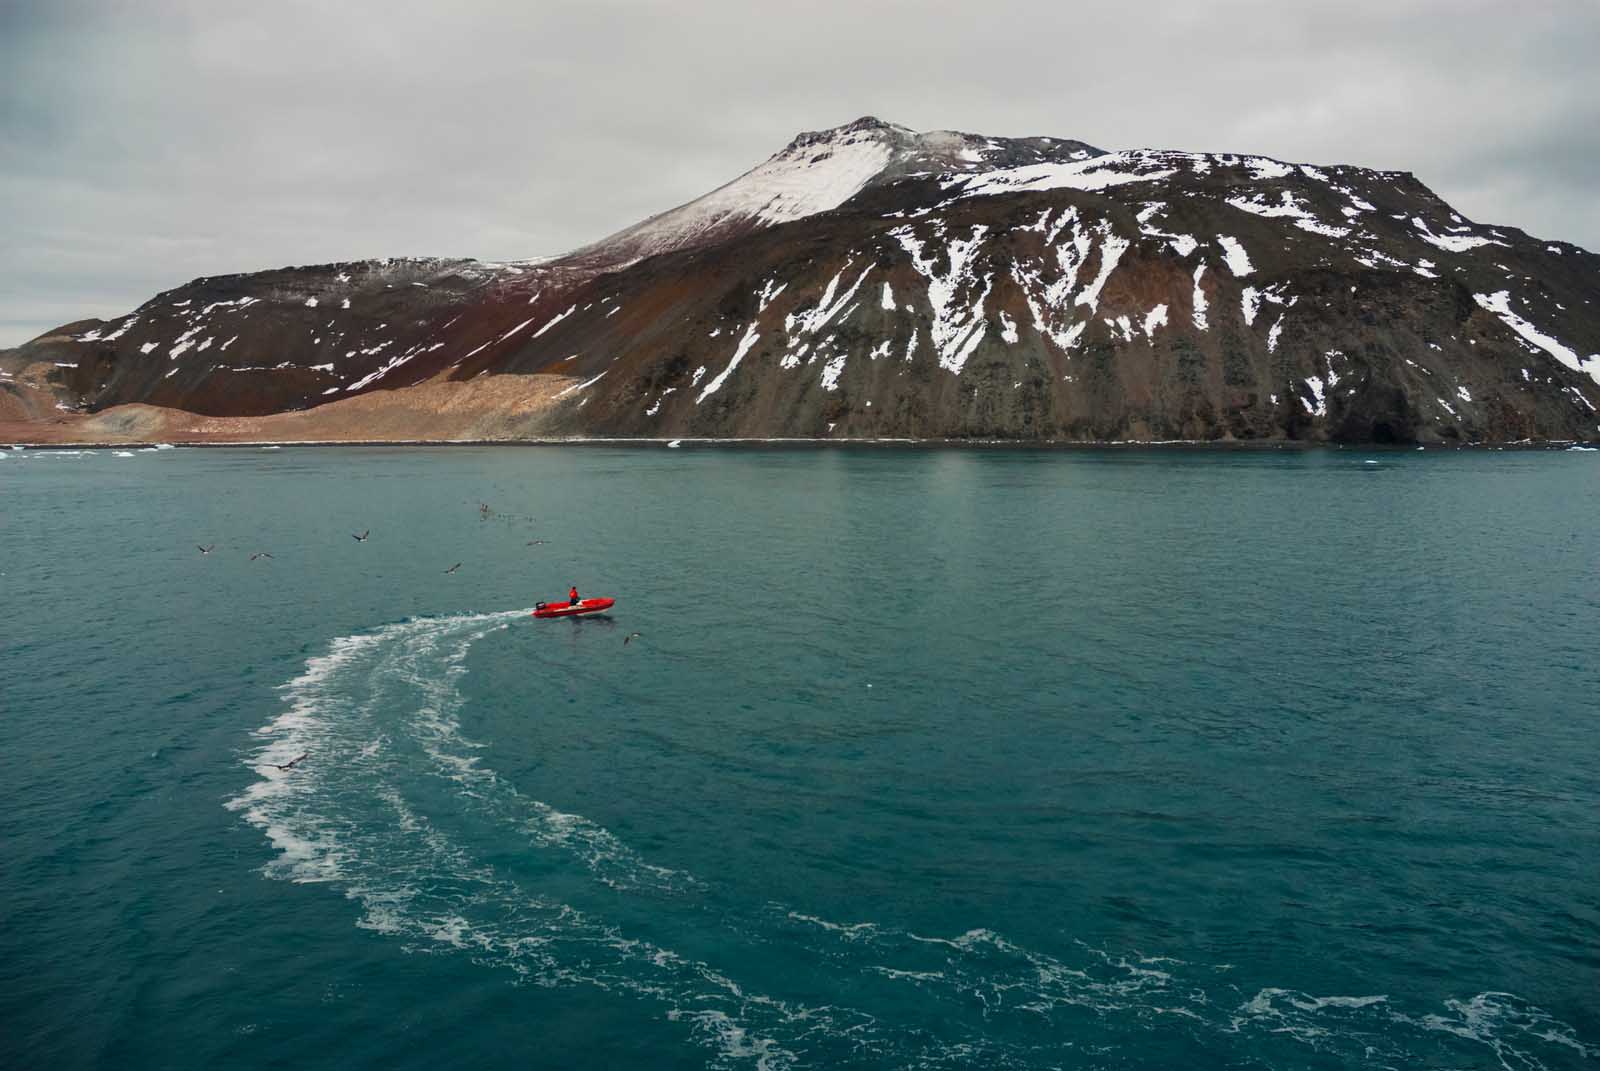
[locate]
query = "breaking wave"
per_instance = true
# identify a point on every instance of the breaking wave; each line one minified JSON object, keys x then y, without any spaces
{"x":395,"y":809}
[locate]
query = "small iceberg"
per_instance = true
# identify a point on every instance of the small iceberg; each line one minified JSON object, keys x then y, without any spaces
{"x":674,"y":444}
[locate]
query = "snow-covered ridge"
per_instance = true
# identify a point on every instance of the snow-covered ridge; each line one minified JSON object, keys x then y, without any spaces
{"x":817,"y":172}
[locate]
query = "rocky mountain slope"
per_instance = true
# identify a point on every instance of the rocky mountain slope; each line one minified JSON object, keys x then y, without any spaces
{"x":869,"y":281}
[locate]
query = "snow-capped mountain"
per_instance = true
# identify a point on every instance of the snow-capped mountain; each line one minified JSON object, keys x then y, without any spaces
{"x":817,"y":172}
{"x":872,"y":281}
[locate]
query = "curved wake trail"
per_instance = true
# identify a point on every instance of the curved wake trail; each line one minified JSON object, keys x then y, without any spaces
{"x":390,"y":779}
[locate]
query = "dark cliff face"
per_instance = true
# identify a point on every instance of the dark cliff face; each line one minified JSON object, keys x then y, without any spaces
{"x":964,"y":287}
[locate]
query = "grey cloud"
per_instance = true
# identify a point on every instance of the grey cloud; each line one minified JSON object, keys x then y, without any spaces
{"x":143,"y":145}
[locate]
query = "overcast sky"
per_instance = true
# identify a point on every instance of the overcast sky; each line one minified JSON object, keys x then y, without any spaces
{"x":143,"y":144}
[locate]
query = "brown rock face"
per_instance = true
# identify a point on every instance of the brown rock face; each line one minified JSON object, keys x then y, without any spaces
{"x":874,"y":282}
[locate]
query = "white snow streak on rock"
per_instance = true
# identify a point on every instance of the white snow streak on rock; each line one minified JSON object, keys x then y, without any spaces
{"x":1233,"y":253}
{"x":749,"y":339}
{"x":394,"y":362}
{"x":1199,"y":299}
{"x":765,"y":298}
{"x":507,"y":335}
{"x":96,"y":336}
{"x":1182,"y":244}
{"x":1499,"y":303}
{"x":887,"y":301}
{"x":1321,"y":408}
{"x":585,"y":385}
{"x":1051,"y":304}
{"x":1156,"y":317}
{"x":1450,"y":243}
{"x":654,"y":409}
{"x":1272,"y":335}
{"x":1249,"y":303}
{"x":957,"y":326}
{"x":831,"y":370}
{"x":1262,"y":168}
{"x":1111,"y":250}
{"x":1096,"y":173}
{"x":183,"y":343}
{"x":552,"y":323}
{"x":1008,"y":328}
{"x":818,"y":317}
{"x":1287,"y":207}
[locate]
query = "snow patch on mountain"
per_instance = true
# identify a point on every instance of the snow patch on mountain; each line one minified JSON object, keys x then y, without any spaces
{"x":1156,"y":317}
{"x":750,"y":339}
{"x":1450,"y":243}
{"x":1095,"y":173}
{"x":1182,"y":244}
{"x":958,"y":321}
{"x":1287,"y":206}
{"x":1234,"y":256}
{"x":811,"y":175}
{"x":1499,"y":303}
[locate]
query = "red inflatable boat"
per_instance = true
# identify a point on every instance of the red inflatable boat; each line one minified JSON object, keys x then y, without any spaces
{"x":566,"y":609}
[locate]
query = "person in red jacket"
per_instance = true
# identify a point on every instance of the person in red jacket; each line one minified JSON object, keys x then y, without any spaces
{"x":573,"y":595}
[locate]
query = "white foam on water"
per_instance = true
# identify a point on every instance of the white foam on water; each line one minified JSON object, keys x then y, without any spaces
{"x":377,"y":717}
{"x":362,"y":714}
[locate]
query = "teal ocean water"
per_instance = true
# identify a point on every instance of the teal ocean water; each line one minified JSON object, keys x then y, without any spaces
{"x":921,"y":759}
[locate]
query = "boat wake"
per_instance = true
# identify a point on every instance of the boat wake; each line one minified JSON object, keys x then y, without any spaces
{"x":395,"y":809}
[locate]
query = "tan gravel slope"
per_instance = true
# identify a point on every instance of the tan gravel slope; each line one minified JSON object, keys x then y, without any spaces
{"x":490,"y":407}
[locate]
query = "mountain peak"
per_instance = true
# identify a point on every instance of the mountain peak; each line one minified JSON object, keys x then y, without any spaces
{"x":818,"y":171}
{"x":869,"y":126}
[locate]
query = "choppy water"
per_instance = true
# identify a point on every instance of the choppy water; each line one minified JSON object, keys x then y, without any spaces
{"x":922,"y":759}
